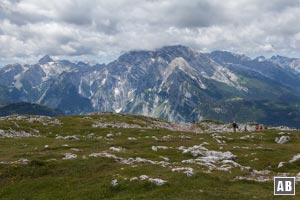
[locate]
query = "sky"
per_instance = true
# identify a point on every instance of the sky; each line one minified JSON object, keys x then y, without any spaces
{"x":101,"y":30}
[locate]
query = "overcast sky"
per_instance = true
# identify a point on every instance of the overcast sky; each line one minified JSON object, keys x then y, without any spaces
{"x":101,"y":30}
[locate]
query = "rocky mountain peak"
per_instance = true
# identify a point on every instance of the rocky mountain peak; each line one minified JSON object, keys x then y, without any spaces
{"x":46,"y":59}
{"x":175,"y":48}
{"x":171,"y":52}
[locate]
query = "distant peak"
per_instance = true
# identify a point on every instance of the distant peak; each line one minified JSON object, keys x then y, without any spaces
{"x":176,"y":47}
{"x":45,"y":59}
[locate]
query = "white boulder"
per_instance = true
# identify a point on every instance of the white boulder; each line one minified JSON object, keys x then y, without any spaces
{"x":283,"y":139}
{"x":114,"y":182}
{"x":157,"y":181}
{"x":68,"y":156}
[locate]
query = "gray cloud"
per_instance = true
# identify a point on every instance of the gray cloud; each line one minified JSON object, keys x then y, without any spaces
{"x":101,"y":30}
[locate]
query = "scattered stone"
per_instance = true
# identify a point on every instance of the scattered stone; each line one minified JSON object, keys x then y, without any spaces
{"x":44,"y":120}
{"x":284,"y":128}
{"x":117,"y":149}
{"x":114,"y":125}
{"x":194,"y":150}
{"x":227,"y":155}
{"x":197,"y":150}
{"x":282,"y":139}
{"x":186,"y":170}
{"x":184,"y":137}
{"x":255,"y":159}
{"x":155,"y":148}
{"x":295,"y":158}
{"x":217,"y":138}
{"x":166,"y":137}
{"x":165,"y":158}
{"x":154,"y":124}
{"x":129,"y":161}
{"x":157,"y":181}
{"x":20,"y":161}
{"x":233,"y":163}
{"x":114,"y":182}
{"x":155,"y":138}
{"x":246,"y":137}
{"x":298,"y":177}
{"x":14,"y":134}
{"x":132,"y":138}
{"x":262,"y":172}
{"x":68,"y":137}
{"x":210,"y":159}
{"x":214,"y":159}
{"x":257,"y":179}
{"x":143,"y":177}
{"x":68,"y":156}
{"x":281,"y":164}
{"x":103,"y":154}
{"x":109,"y":135}
{"x":133,"y":179}
{"x":283,"y":174}
{"x":74,"y":149}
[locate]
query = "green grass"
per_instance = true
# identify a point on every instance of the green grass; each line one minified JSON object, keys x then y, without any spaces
{"x":90,"y":178}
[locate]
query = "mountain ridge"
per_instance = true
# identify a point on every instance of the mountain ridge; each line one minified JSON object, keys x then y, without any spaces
{"x":174,"y":83}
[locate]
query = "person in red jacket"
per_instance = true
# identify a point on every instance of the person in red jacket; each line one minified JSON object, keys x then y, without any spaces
{"x":257,"y":127}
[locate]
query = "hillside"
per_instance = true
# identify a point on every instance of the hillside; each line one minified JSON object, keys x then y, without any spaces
{"x":116,"y":156}
{"x":24,"y":108}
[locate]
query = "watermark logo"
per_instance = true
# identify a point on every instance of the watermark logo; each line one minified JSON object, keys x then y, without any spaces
{"x":284,"y":185}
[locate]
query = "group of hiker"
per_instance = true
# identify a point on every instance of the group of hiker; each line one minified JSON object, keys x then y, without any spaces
{"x":235,"y":126}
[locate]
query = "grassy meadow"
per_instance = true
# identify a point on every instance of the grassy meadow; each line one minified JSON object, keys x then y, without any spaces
{"x":36,"y":168}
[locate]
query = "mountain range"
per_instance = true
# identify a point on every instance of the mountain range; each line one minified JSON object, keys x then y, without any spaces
{"x":175,"y":83}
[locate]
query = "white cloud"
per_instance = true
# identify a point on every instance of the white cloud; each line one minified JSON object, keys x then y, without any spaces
{"x":100,"y":30}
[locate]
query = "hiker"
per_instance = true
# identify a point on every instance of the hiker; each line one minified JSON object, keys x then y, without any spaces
{"x":235,"y":126}
{"x":245,"y":128}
